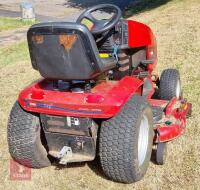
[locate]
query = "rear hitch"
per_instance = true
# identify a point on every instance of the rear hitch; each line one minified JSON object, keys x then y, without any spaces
{"x":64,"y":155}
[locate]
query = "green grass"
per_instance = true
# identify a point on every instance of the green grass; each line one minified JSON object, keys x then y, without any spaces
{"x":144,"y":5}
{"x":7,"y":23}
{"x":14,"y":54}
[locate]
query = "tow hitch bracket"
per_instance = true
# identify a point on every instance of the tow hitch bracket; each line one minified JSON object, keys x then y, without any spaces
{"x":64,"y":155}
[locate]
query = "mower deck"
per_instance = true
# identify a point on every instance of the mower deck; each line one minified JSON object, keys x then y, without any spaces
{"x":173,"y":122}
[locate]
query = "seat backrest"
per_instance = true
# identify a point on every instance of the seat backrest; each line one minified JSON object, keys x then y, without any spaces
{"x":64,"y":50}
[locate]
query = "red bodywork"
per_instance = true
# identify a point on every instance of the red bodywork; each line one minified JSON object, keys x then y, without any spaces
{"x":104,"y":101}
{"x":140,"y":35}
{"x":107,"y":98}
{"x":174,"y":119}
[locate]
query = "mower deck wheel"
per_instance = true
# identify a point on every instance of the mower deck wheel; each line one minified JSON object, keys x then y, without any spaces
{"x":24,"y":138}
{"x":126,"y":141}
{"x":161,"y":153}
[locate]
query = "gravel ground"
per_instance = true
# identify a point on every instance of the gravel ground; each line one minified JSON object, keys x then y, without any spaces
{"x":43,"y":9}
{"x":66,"y":9}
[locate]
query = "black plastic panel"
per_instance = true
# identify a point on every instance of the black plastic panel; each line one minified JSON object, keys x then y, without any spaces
{"x":119,"y":38}
{"x":66,"y":51}
{"x":68,"y":125}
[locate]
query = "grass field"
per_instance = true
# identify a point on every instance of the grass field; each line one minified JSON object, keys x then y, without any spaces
{"x":14,"y":54}
{"x":12,"y":23}
{"x":176,"y":25}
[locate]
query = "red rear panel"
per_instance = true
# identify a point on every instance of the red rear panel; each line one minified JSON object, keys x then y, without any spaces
{"x":104,"y":101}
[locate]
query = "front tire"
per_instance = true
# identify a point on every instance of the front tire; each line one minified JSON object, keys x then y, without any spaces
{"x":126,"y":142}
{"x":24,"y":139}
{"x":170,"y":85}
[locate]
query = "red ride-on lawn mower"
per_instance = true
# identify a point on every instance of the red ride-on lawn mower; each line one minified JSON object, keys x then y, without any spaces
{"x":98,"y":97}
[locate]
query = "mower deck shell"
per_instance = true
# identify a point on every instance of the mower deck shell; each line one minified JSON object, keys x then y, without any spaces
{"x":173,"y":123}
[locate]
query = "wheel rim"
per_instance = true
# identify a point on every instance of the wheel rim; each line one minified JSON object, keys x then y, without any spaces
{"x":178,"y":89}
{"x":143,"y":139}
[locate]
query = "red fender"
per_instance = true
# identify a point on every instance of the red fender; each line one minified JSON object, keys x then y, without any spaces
{"x":104,"y":101}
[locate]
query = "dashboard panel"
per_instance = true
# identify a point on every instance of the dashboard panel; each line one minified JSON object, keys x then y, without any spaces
{"x":119,"y":37}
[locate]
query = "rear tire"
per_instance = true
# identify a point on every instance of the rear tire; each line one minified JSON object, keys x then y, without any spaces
{"x":126,"y":142}
{"x":170,"y":84}
{"x":24,"y":139}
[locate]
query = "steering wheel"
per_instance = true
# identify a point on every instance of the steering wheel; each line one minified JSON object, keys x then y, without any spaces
{"x":101,"y":26}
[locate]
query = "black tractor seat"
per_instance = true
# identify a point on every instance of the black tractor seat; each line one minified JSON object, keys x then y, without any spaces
{"x":66,"y":51}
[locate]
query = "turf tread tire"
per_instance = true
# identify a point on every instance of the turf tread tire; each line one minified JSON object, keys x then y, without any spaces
{"x":118,"y":142}
{"x":168,"y":84}
{"x":24,"y":139}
